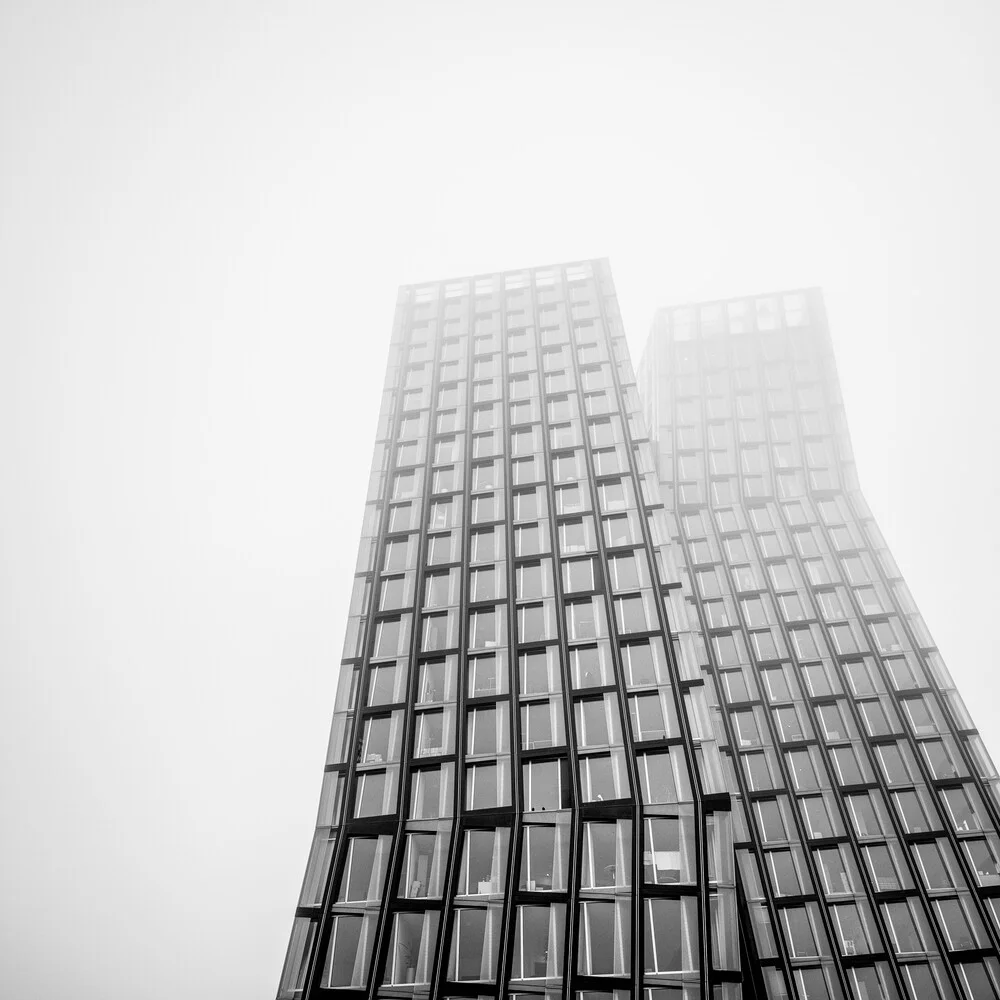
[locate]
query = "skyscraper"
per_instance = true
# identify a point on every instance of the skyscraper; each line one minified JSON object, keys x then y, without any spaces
{"x":865,"y":803}
{"x":625,"y":712}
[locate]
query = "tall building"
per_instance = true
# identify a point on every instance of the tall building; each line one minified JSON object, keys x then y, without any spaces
{"x":523,"y":796}
{"x":622,"y":714}
{"x":865,"y":804}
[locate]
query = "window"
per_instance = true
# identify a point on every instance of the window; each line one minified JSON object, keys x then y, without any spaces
{"x":437,"y":632}
{"x":486,"y":676}
{"x":888,"y":870}
{"x":838,"y":871}
{"x":613,"y":495}
{"x":538,"y":942}
{"x":535,"y":622}
{"x":429,"y":739}
{"x":652,"y":716}
{"x":668,"y":850}
{"x":487,"y":786}
{"x":411,"y":953}
{"x":486,"y":732}
{"x":441,"y":549}
{"x":542,"y":724}
{"x":886,"y":638}
{"x":764,"y":646}
{"x":539,"y":671}
{"x":781,"y":576}
{"x":617,"y":530}
{"x":936,"y":864}
{"x":364,"y":872}
{"x":423,"y":865}
{"x":583,"y":620}
{"x":754,"y":611}
{"x":484,"y":546}
{"x":484,"y":508}
{"x":597,"y":721}
{"x":484,"y":862}
{"x":376,"y":793}
{"x":663,"y":777}
{"x":573,"y":536}
{"x":787,"y":871}
{"x":670,"y":935}
{"x":475,"y":944}
{"x":431,"y":796}
{"x":830,"y":604}
{"x":605,"y":939}
{"x":436,"y":681}
{"x":603,"y":777}
{"x":843,"y":639}
{"x":804,"y":932}
{"x":544,"y":858}
{"x":907,"y":926}
{"x":962,"y":811}
{"x":534,"y":580}
{"x":803,"y":643}
{"x":853,"y":928}
{"x":351,"y":939}
{"x":545,"y":787}
{"x":578,"y":575}
{"x":727,"y":652}
{"x":984,"y":857}
{"x":607,"y":854}
{"x":632,"y":614}
{"x":482,"y":628}
{"x":526,"y":505}
{"x":590,"y":666}
{"x":626,"y":572}
{"x":483,"y":584}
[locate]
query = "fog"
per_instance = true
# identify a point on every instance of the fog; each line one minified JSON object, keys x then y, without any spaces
{"x":205,"y":211}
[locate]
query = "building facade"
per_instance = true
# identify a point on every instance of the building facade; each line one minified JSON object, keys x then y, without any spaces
{"x":865,"y":804}
{"x":523,"y":795}
{"x":628,"y":712}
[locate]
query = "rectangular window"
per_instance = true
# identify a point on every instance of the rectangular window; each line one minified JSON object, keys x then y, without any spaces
{"x":475,"y":943}
{"x":411,"y":952}
{"x":545,"y":786}
{"x":483,"y":868}
{"x":605,"y":939}
{"x":670,"y":935}
{"x":538,"y":942}
{"x":423,"y":866}
{"x":668,"y":851}
{"x":544,"y":858}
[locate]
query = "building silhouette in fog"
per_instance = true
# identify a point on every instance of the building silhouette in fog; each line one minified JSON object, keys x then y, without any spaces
{"x":633,"y":700}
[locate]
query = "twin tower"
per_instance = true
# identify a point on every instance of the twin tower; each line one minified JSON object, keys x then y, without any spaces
{"x":634,"y":703}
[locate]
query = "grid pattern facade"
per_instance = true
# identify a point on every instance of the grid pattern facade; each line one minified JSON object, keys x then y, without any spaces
{"x":524,"y":795}
{"x":865,"y":804}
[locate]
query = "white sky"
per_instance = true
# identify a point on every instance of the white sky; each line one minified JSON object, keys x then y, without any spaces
{"x":205,"y":210}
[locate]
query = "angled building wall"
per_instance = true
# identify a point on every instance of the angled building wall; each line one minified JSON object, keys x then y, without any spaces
{"x":865,"y":819}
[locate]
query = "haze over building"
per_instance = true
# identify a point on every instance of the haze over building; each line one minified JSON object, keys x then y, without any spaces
{"x":633,"y":698}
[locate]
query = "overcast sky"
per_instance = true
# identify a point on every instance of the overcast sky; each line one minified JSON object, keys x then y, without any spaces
{"x":205,"y":210}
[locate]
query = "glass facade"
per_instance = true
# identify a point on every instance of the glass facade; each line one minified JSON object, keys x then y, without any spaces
{"x":864,"y":803}
{"x":633,"y":713}
{"x":523,"y":795}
